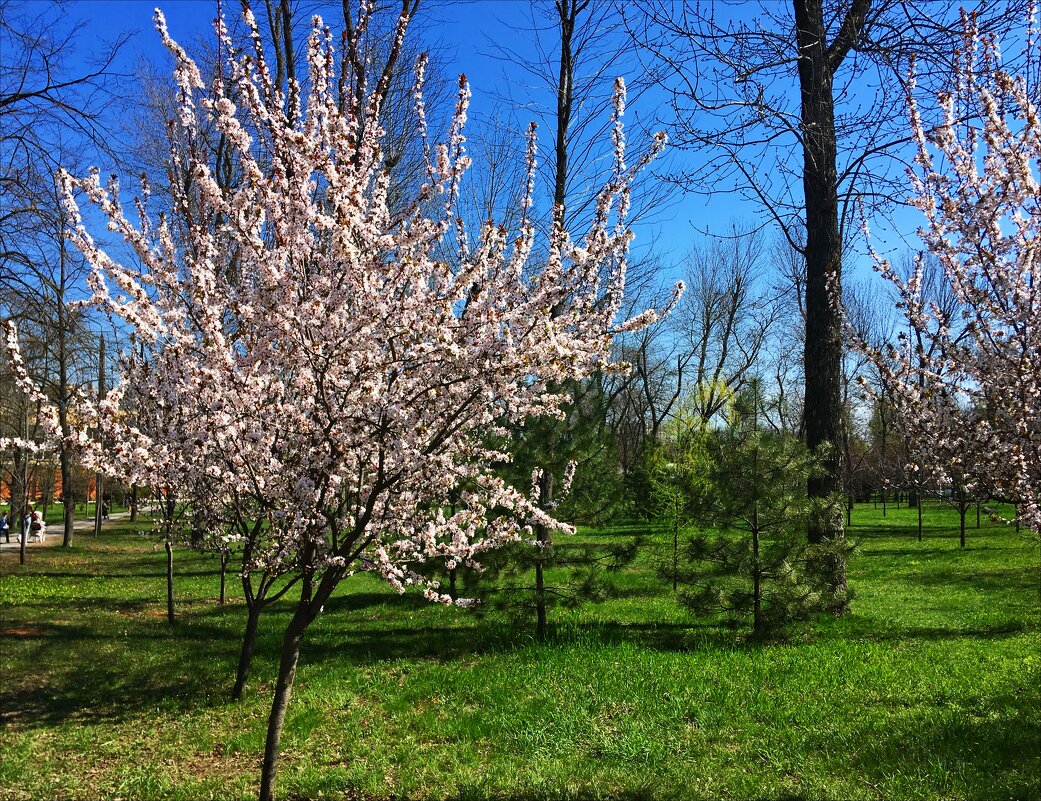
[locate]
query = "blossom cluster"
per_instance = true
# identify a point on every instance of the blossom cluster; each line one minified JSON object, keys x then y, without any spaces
{"x":966,"y":378}
{"x":308,"y":365}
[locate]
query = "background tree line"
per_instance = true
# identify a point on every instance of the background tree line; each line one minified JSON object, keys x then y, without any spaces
{"x":824,"y":80}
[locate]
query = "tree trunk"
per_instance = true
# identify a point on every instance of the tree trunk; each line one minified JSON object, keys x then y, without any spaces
{"x":822,"y":411}
{"x":290,"y":655}
{"x":24,"y":535}
{"x":249,"y":641}
{"x":675,"y":550}
{"x":169,"y":583}
{"x":758,"y":624}
{"x":99,"y":487}
{"x":68,"y":506}
{"x":541,"y":621}
{"x":545,"y":542}
{"x":99,"y":479}
{"x":223,"y":575}
{"x":567,"y":16}
{"x":23,"y":490}
{"x":133,"y":504}
{"x":64,"y":457}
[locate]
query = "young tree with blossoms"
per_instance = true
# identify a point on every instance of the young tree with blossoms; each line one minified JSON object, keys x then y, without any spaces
{"x":977,"y":183}
{"x":314,"y":371}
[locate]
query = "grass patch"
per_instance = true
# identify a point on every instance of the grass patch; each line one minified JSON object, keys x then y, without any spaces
{"x":928,"y":689}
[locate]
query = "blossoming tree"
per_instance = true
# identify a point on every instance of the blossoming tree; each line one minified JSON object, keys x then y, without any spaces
{"x":977,"y":185}
{"x":313,"y":357}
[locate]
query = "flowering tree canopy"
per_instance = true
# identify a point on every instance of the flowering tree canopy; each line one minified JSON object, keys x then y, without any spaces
{"x":309,"y":363}
{"x":970,"y":383}
{"x":322,"y":361}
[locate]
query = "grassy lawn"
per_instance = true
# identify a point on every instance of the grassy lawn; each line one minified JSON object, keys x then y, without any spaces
{"x":929,"y":689}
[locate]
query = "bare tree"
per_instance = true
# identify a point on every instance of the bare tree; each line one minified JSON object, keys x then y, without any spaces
{"x":872,"y":323}
{"x":567,"y":86}
{"x":46,"y":105}
{"x":41,"y":296}
{"x":725,"y":318}
{"x":823,"y":78}
{"x":50,"y":113}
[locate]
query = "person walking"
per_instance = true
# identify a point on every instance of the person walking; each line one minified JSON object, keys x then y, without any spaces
{"x":5,"y":527}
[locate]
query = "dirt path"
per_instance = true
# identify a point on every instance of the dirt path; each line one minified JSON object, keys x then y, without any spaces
{"x":55,"y":530}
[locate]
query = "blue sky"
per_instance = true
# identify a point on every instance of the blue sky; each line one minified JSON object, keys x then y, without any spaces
{"x":466,"y":32}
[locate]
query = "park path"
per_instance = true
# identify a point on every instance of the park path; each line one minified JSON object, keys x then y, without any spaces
{"x":55,"y":531}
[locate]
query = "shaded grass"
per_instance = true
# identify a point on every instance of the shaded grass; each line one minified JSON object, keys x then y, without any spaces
{"x":928,"y":689}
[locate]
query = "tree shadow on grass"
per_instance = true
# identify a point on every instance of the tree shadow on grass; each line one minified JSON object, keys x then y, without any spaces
{"x":94,"y":673}
{"x":911,"y":551}
{"x":360,"y":642}
{"x":855,"y":627}
{"x":357,"y":601}
{"x":657,"y":792}
{"x":149,"y":664}
{"x":937,"y":633}
{"x":995,"y":751}
{"x":127,"y":658}
{"x":696,"y":634}
{"x":136,"y":574}
{"x":901,"y":531}
{"x":991,"y":579}
{"x":383,"y":635}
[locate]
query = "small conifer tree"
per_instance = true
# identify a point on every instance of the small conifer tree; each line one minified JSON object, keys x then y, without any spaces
{"x":677,"y":467}
{"x":750,"y":557}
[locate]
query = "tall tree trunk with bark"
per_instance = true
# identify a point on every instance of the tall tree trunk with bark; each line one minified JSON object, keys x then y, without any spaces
{"x":169,"y":583}
{"x":963,"y":508}
{"x":223,"y":576}
{"x":64,"y":393}
{"x":99,"y":478}
{"x":309,"y":606}
{"x":249,"y":641}
{"x":290,"y":655}
{"x":21,"y":460}
{"x":822,"y":414}
{"x":567,"y":17}
{"x":544,"y":538}
{"x":169,"y":525}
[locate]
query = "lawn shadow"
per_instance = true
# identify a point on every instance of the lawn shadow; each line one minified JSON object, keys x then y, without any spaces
{"x":134,"y":574}
{"x":857,"y":627}
{"x":656,"y":791}
{"x":147,"y":663}
{"x":489,"y":635}
{"x":912,"y":551}
{"x":995,"y":748}
{"x":989,"y":578}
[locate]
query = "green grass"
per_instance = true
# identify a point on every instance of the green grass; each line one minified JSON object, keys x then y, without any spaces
{"x":928,"y":689}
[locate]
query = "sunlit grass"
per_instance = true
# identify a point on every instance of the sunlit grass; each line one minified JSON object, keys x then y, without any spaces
{"x":928,"y":689}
